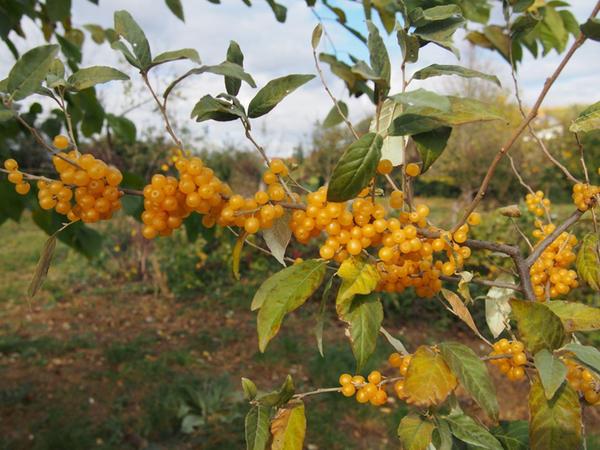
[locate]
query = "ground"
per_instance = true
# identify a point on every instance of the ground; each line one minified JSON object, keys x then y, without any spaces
{"x":97,"y":362}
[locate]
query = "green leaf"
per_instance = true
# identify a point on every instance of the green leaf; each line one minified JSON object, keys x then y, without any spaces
{"x":279,"y":397}
{"x":552,"y":371}
{"x":131,"y":59}
{"x":176,"y":8}
{"x":122,"y":127}
{"x":321,"y":316}
{"x":364,"y":318}
{"x":421,"y":98}
{"x":554,"y":424}
{"x":210,"y":108}
{"x":5,"y":113}
{"x":392,"y":145}
{"x":591,"y":29}
{"x":587,"y":120}
{"x":498,"y":39}
{"x":282,"y":293}
{"x":91,"y":76}
{"x":234,"y":55}
{"x":431,"y":145}
{"x":41,"y":270}
{"x":588,"y":258}
{"x":29,"y":71}
{"x":472,"y":374}
{"x":576,"y":316}
{"x":334,"y":117}
{"x":177,"y":55}
{"x":379,"y":58}
{"x":58,"y":10}
{"x":409,"y":45}
{"x":257,"y":427}
{"x":420,"y":17}
{"x":97,"y":32}
{"x":279,"y":10}
{"x":288,"y":427}
{"x":396,"y":343}
{"x":358,"y":276}
{"x":128,"y":28}
{"x":249,"y":389}
{"x":538,"y":327}
{"x":513,"y":435}
{"x":588,"y":355}
{"x":436,"y":70}
{"x":415,"y":432}
{"x":441,"y":32}
{"x":465,"y":429}
{"x":230,"y":70}
{"x":274,"y":92}
{"x":355,"y":168}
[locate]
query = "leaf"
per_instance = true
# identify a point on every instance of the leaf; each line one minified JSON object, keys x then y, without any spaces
{"x":355,"y":168}
{"x":422,"y":98}
{"x":96,"y":31}
{"x":497,"y":306}
{"x":467,"y":430}
{"x":235,"y":56}
{"x":91,"y":76}
{"x":428,"y":380}
{"x":415,"y":432}
{"x":409,"y":45}
{"x":396,"y":343}
{"x":420,"y":17}
{"x":176,"y":8}
{"x":316,"y":36}
{"x":176,"y":55}
{"x":321,"y":316}
{"x":460,"y":310}
{"x":210,"y":108}
{"x":257,"y":428}
{"x":6,"y":113}
{"x":358,"y":277}
{"x":278,"y":237}
{"x":379,"y":58}
{"x":587,"y":120}
{"x":334,"y":117}
{"x":128,"y":28}
{"x":282,"y":293}
{"x":431,"y":145}
{"x":274,"y":92}
{"x":41,"y":270}
{"x":249,"y":389}
{"x":538,"y":327}
{"x":588,"y":355}
{"x":364,"y":318}
{"x":230,"y":70}
{"x":440,"y":32}
{"x":554,"y":424}
{"x":122,"y":127}
{"x":279,"y":10}
{"x":392,"y":145}
{"x":58,"y":10}
{"x":588,"y":259}
{"x":289,"y":427}
{"x":591,"y":29}
{"x":513,"y":435}
{"x":552,"y":371}
{"x":29,"y":71}
{"x":279,"y":397}
{"x":472,"y":374}
{"x":576,"y":316}
{"x":436,"y":70}
{"x":236,"y":255}
{"x":407,"y":124}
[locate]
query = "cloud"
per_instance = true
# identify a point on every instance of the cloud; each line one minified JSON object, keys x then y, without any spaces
{"x":272,"y":49}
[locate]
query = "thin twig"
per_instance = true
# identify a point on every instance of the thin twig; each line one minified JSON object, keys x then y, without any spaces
{"x":163,"y":112}
{"x":523,"y":235}
{"x":483,"y":282}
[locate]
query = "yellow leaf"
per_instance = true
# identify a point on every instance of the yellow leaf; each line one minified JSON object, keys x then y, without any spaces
{"x":461,"y":311}
{"x":428,"y":380}
{"x":289,"y":427}
{"x":358,"y":277}
{"x":237,"y":254}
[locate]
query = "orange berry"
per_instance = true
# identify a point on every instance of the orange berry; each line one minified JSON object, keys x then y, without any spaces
{"x":22,"y":188}
{"x":251,"y":225}
{"x":60,"y":142}
{"x":474,"y":219}
{"x":348,"y":390}
{"x":345,"y":378}
{"x":15,"y":177}
{"x":374,"y":377}
{"x":385,"y":167}
{"x":11,"y":165}
{"x":413,"y":170}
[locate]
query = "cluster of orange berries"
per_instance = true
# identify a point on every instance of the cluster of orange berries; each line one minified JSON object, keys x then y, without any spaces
{"x":370,"y":390}
{"x":584,"y":381}
{"x":585,"y":195}
{"x":511,"y":366}
{"x":15,"y":177}
{"x":537,"y":204}
{"x":401,"y":363}
{"x":550,"y":274}
{"x":385,"y":167}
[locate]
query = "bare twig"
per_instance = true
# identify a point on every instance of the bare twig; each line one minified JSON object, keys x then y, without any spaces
{"x":163,"y":111}
{"x":481,"y":281}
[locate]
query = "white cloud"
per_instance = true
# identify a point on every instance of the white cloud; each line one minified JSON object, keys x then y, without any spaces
{"x":272,"y":49}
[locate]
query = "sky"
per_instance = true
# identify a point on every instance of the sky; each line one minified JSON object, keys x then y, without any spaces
{"x":273,"y":49}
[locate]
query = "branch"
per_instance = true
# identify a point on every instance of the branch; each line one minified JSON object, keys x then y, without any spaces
{"x":163,"y":111}
{"x":483,"y":282}
{"x":524,"y":124}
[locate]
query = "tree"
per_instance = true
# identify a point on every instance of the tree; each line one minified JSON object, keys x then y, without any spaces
{"x":371,"y":241}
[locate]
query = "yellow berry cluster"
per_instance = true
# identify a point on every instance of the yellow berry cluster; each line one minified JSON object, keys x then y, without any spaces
{"x":585,"y":195}
{"x":511,"y":366}
{"x":537,"y":204}
{"x":401,"y":363}
{"x":550,"y":274}
{"x":15,"y":177}
{"x":164,"y":206}
{"x":370,"y":390}
{"x":584,"y":381}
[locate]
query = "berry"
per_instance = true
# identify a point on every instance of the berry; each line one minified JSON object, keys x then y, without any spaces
{"x":22,"y":188}
{"x":11,"y":165}
{"x":385,"y":167}
{"x":474,"y":219}
{"x":348,"y":390}
{"x":412,"y":170}
{"x":60,"y":142}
